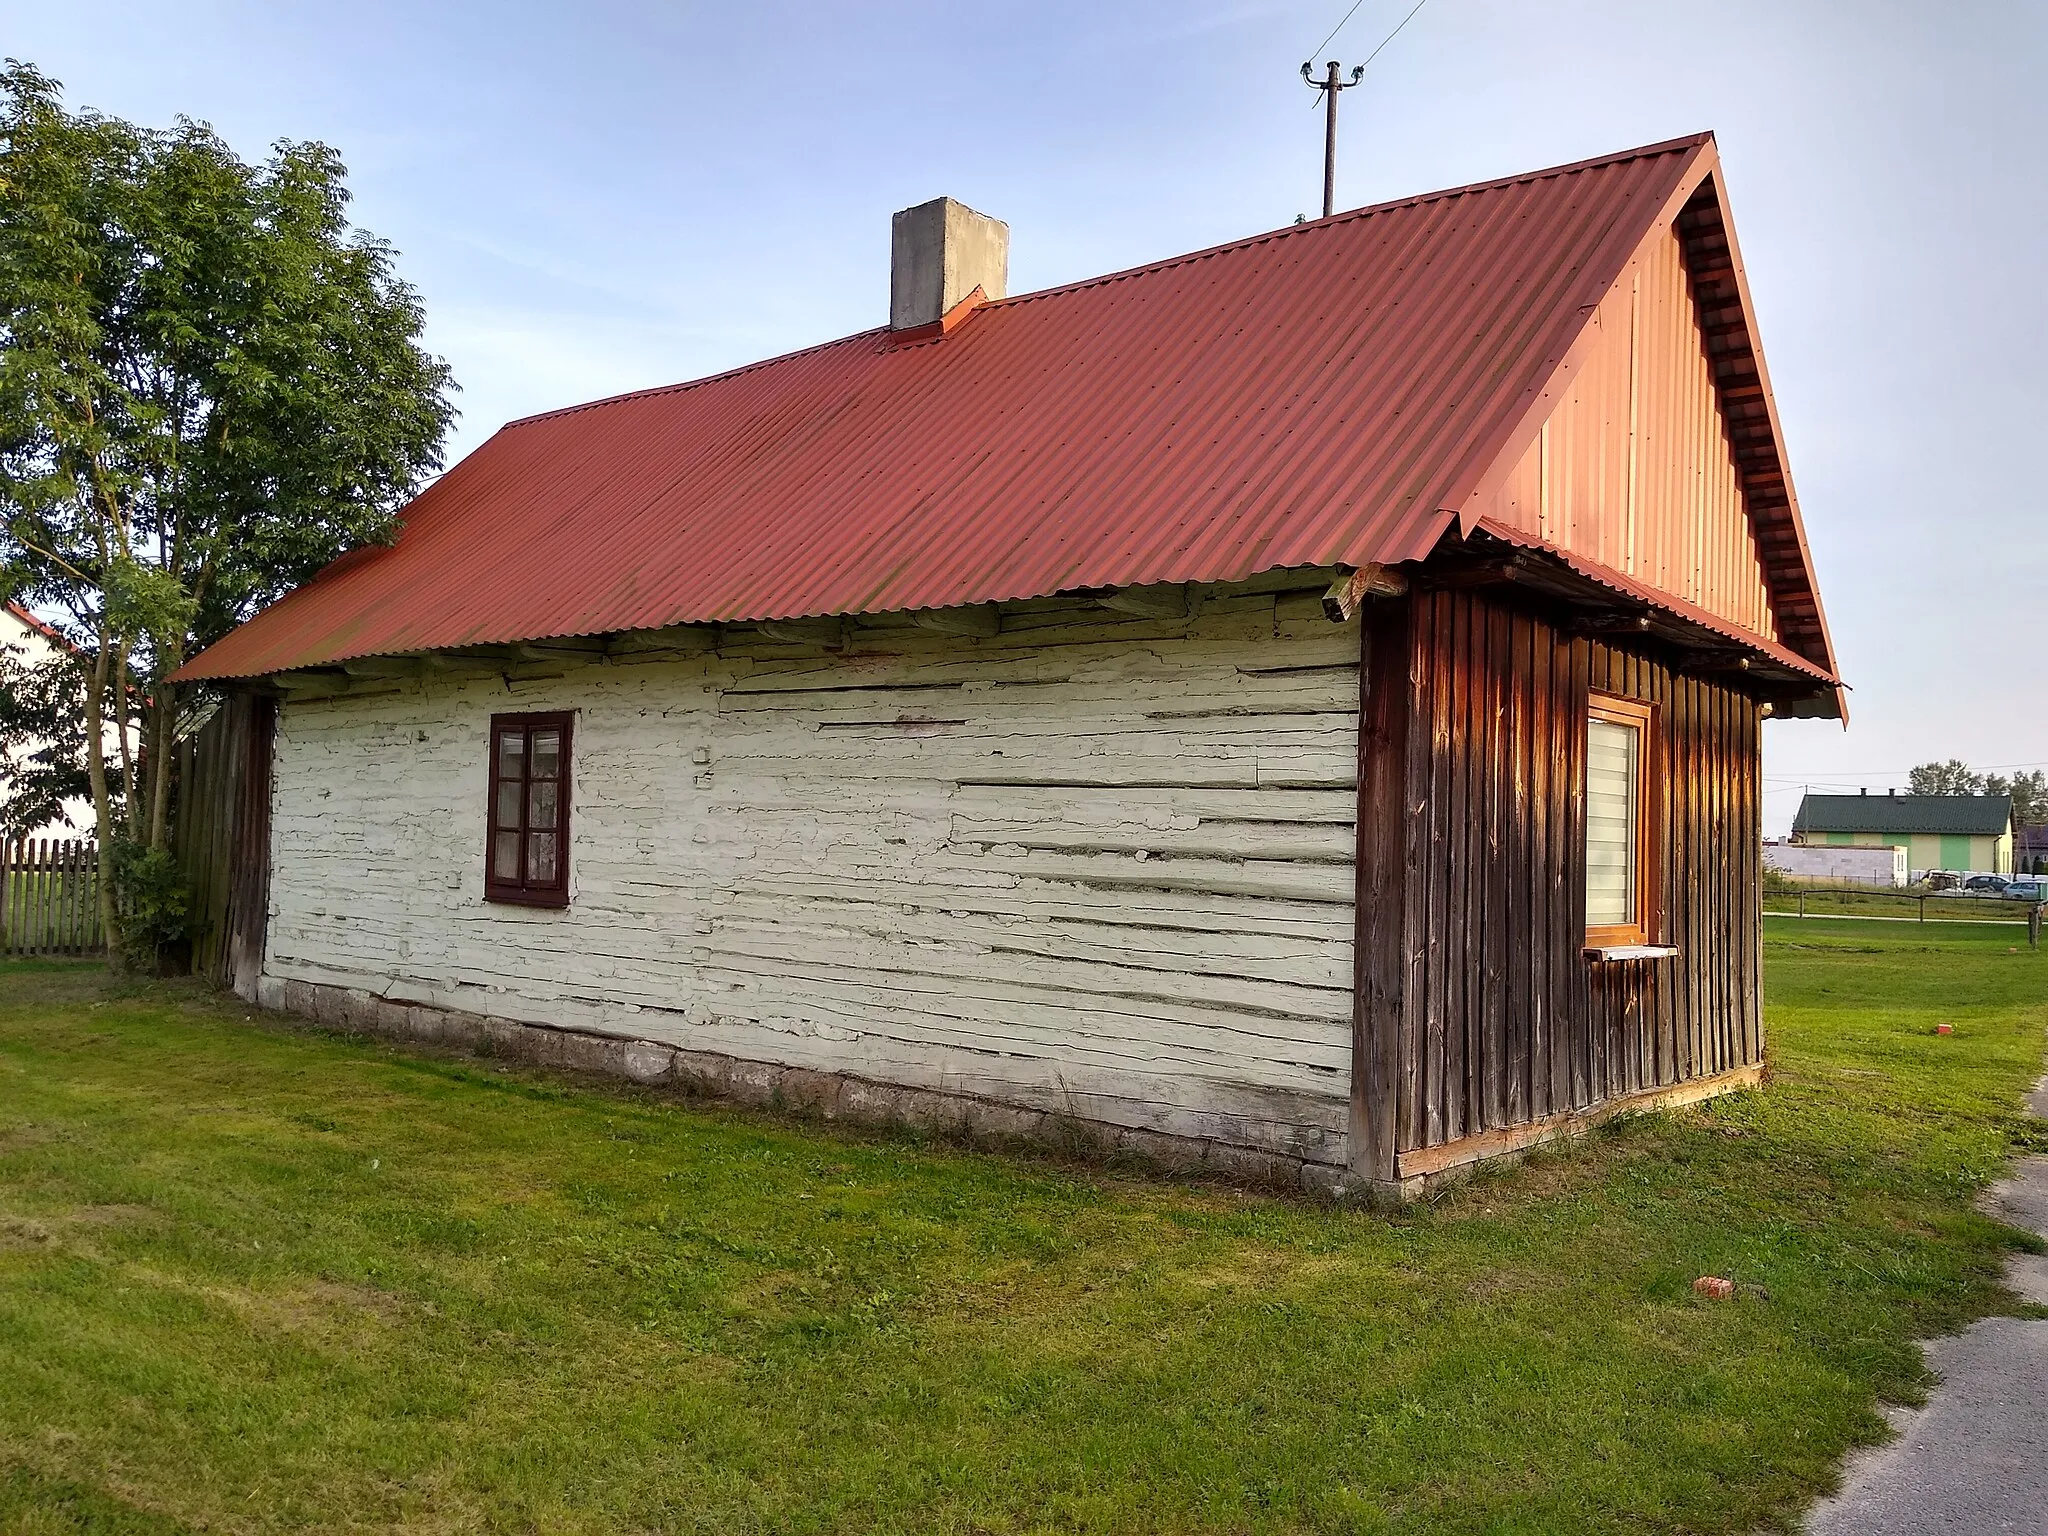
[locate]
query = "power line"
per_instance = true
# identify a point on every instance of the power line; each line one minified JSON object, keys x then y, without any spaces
{"x":1319,"y":47}
{"x":1355,"y":4}
{"x":1419,"y":4}
{"x":1858,"y":775}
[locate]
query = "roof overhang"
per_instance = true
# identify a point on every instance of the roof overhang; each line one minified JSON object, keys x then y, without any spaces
{"x":1597,"y":599}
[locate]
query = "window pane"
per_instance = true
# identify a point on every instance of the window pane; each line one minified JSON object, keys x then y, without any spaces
{"x":540,"y":858}
{"x":1611,"y":810}
{"x":508,"y":803}
{"x":542,"y":807}
{"x":547,"y":753}
{"x":511,"y":753}
{"x":505,"y":856}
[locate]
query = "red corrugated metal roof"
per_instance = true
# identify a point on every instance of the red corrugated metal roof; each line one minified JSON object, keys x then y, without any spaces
{"x":1324,"y":394}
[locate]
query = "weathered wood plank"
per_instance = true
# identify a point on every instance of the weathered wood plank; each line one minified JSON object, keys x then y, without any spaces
{"x":1497,"y":748}
{"x":1440,"y":1004}
{"x":1305,"y":842}
{"x":1385,"y":960}
{"x":1518,"y":868}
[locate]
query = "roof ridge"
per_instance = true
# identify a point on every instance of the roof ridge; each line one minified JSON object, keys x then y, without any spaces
{"x":1351,"y":215}
{"x":1897,"y":795}
{"x":1162,"y":264}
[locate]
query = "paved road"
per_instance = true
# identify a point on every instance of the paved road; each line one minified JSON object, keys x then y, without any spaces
{"x":1975,"y":1459}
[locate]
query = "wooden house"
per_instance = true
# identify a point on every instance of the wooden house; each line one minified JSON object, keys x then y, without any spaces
{"x":1292,"y":707}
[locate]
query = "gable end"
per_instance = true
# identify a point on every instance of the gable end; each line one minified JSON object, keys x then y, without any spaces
{"x":1721,"y":298}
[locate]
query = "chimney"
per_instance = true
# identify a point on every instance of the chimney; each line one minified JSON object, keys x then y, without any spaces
{"x":1864,"y":790}
{"x":939,"y":253}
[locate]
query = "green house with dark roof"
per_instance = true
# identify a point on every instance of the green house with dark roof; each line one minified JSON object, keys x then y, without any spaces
{"x":1958,"y":832}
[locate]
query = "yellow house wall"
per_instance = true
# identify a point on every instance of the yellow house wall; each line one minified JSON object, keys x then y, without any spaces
{"x":1923,"y":850}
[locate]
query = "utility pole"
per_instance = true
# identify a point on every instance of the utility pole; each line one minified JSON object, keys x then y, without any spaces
{"x":1330,"y":86}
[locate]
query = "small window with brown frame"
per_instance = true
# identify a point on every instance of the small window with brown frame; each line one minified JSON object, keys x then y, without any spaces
{"x":527,"y":859}
{"x":1622,"y":868}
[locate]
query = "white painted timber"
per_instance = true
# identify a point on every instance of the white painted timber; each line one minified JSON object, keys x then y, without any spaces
{"x":1091,"y":864}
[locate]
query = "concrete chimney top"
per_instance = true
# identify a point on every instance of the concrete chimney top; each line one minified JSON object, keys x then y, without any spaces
{"x":939,"y":253}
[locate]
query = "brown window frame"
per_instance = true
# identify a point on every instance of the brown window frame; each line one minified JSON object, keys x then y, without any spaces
{"x":1641,"y":716}
{"x":523,"y":892}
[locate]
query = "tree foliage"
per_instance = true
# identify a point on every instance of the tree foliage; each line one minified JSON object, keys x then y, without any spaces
{"x":1950,"y":778}
{"x":2029,"y":789}
{"x":210,"y":387}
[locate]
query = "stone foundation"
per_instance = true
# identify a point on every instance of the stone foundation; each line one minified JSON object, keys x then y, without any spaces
{"x":832,"y":1096}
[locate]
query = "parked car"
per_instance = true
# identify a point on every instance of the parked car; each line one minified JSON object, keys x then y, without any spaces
{"x":2027,"y":890}
{"x":1941,"y":881}
{"x":1986,"y":885}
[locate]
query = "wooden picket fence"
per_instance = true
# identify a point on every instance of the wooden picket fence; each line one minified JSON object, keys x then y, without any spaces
{"x":50,"y":897}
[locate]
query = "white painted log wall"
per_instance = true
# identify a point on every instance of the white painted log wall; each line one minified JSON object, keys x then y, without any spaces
{"x":1091,"y":865}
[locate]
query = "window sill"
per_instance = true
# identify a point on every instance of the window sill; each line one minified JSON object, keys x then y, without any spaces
{"x":528,"y":898}
{"x":1630,"y":951}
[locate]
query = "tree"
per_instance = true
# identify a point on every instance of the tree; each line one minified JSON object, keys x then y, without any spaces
{"x":210,"y":387}
{"x":2029,"y":793}
{"x":1950,"y":778}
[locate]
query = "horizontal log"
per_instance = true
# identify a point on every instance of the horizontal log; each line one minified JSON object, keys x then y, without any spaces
{"x":980,"y":621}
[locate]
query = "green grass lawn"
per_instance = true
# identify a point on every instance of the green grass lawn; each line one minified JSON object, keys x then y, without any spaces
{"x":258,"y":1280}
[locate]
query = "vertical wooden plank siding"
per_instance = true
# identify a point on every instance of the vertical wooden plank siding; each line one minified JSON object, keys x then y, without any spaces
{"x":1540,"y":879}
{"x":1492,"y":871}
{"x":1518,"y":995}
{"x":1472,"y":907}
{"x":1434,"y":723}
{"x":1460,"y":958}
{"x":248,"y":902}
{"x":218,"y":848}
{"x":1387,"y":965}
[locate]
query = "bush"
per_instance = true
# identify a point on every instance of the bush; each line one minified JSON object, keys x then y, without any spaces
{"x":154,"y":901}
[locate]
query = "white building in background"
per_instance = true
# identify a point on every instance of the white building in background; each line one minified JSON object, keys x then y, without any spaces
{"x":29,"y":639}
{"x":1824,"y":862}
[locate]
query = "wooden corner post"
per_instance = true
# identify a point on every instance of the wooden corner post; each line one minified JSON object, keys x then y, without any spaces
{"x":1385,"y":811}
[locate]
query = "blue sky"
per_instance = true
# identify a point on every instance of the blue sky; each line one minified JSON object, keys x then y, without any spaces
{"x":598,"y":197}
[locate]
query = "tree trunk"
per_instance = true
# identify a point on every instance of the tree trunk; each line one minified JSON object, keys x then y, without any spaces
{"x":102,"y":807}
{"x":121,"y":737}
{"x":163,"y":713}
